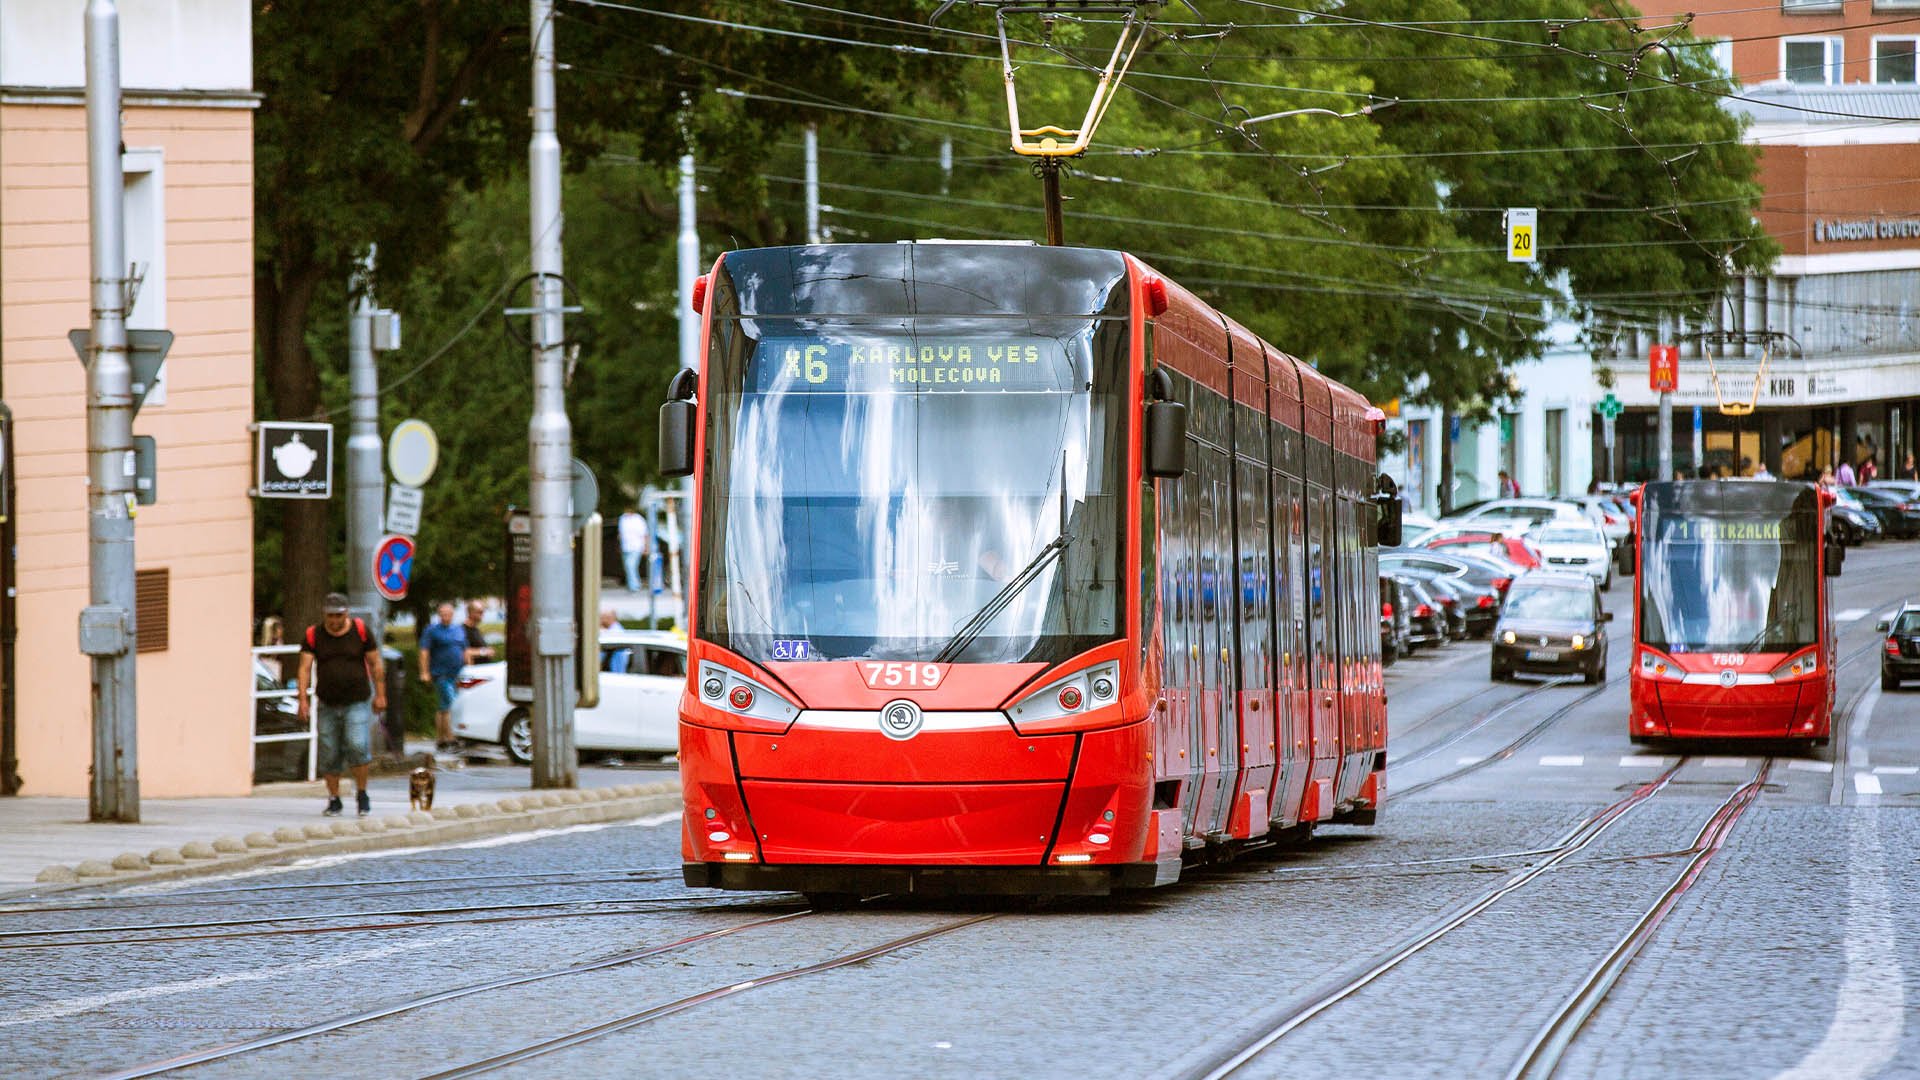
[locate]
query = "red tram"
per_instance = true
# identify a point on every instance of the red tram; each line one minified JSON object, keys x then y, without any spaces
{"x":1732,"y":621}
{"x":1016,"y":569}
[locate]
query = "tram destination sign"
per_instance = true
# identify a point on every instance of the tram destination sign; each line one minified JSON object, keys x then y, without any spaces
{"x":987,"y":362}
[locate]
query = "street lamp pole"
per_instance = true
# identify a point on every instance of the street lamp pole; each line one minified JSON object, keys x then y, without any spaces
{"x":550,"y":439}
{"x":107,"y":630}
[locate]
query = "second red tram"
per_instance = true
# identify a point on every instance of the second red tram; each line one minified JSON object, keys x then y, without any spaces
{"x":1733,"y":626}
{"x":949,"y":631}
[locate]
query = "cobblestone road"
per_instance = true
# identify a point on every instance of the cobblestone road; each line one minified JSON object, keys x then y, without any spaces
{"x":1794,"y":954}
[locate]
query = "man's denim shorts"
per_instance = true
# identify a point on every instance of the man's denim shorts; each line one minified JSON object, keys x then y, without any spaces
{"x":447,"y":686}
{"x":345,"y":736}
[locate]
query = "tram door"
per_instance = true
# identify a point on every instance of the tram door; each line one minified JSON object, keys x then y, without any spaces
{"x":1322,"y":596}
{"x":1214,"y":733}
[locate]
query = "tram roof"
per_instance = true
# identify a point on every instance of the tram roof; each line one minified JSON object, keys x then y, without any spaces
{"x":944,"y":278}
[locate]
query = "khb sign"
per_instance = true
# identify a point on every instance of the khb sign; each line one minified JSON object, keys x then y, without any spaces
{"x":1663,"y":367}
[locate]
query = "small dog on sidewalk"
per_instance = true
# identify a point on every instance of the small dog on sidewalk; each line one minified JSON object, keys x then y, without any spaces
{"x":420,"y":784}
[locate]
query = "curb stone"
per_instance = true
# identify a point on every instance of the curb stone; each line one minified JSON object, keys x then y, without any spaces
{"x":416,"y":829}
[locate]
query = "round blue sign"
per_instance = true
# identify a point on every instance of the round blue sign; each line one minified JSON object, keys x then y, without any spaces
{"x":392,"y":566}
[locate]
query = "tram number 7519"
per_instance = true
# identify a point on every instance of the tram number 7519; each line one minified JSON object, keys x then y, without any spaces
{"x":896,"y":675}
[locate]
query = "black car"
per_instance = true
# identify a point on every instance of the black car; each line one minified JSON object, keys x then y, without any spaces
{"x":1472,"y":608}
{"x":1426,"y":619}
{"x":1490,"y":573}
{"x":1898,"y":517}
{"x":1901,"y":658}
{"x":1553,"y":624}
{"x":1395,"y":634}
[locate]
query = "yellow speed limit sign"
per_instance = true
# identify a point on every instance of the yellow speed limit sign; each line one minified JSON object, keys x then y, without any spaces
{"x":1522,"y":241}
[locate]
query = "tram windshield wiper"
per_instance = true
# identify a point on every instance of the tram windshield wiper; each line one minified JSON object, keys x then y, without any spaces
{"x":998,"y":603}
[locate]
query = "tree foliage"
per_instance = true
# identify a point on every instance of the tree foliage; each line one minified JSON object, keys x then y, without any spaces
{"x":1370,"y":245}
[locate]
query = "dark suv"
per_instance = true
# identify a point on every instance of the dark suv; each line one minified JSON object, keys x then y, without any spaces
{"x":1901,"y":658}
{"x":1552,"y":624}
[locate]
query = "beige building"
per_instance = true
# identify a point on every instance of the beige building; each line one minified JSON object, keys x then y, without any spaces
{"x":187,"y":70}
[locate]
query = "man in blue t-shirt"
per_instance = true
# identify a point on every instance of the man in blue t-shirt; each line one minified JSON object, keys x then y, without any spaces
{"x":443,"y":652}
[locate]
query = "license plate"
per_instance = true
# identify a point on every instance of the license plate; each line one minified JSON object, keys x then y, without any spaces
{"x":1543,"y":654}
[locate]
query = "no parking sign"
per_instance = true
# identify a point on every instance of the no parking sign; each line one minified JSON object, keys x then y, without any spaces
{"x":392,"y":566}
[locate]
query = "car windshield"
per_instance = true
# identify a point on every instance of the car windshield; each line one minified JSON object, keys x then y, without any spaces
{"x":1567,"y":534}
{"x":1550,"y":604}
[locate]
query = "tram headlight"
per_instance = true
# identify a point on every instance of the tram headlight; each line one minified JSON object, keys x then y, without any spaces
{"x":1805,"y":664}
{"x":1652,"y":664}
{"x":1075,"y":695}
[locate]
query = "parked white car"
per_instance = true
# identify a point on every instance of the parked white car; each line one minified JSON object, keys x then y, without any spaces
{"x":642,"y":675}
{"x":1575,"y":546}
{"x":1606,"y":516}
{"x":1512,"y":517}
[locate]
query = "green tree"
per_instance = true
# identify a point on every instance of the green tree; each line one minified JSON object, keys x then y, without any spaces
{"x":372,"y":129}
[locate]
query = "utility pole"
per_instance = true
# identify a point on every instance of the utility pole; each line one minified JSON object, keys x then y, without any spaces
{"x":1049,"y":169}
{"x":689,"y":267}
{"x":364,"y":474}
{"x":550,"y":439}
{"x":107,"y":623}
{"x":1666,"y":427}
{"x":688,"y":252}
{"x":813,"y":184}
{"x":946,"y":164}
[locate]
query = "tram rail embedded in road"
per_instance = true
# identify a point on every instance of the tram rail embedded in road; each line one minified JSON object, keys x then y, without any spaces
{"x":281,"y":1038}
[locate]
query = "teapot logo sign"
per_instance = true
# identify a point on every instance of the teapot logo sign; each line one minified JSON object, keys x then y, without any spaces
{"x":294,"y":460}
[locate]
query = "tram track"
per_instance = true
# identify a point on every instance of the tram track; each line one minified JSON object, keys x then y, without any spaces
{"x":1572,"y":1014}
{"x":281,"y":1038}
{"x":380,"y":888}
{"x":1531,"y":733}
{"x":1485,"y":718}
{"x":226,"y":930}
{"x":1544,"y":1053}
{"x":690,"y":1001}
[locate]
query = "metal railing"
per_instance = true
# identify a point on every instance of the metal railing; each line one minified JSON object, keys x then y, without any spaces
{"x":281,"y":691}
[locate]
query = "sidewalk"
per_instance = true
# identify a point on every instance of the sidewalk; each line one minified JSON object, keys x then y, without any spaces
{"x":36,"y":832}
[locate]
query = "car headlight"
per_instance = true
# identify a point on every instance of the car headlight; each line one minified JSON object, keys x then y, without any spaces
{"x":1579,"y":641}
{"x":1509,"y":637}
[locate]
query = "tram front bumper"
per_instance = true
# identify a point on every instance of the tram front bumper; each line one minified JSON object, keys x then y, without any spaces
{"x":1697,"y":711}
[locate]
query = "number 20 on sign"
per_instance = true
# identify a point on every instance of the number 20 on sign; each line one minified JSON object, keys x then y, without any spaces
{"x":1521,"y":245}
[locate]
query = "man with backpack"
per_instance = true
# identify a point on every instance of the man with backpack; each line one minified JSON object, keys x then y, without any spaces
{"x":340,"y":662}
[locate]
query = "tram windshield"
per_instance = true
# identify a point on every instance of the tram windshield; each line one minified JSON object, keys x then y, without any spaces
{"x":914,"y":486}
{"x":1730,"y":567}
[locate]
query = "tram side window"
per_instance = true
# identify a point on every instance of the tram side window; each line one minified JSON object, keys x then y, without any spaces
{"x":1316,"y":586}
{"x":1256,"y":571}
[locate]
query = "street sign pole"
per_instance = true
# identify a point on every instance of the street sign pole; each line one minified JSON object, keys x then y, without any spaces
{"x":107,"y":622}
{"x":1698,"y":456}
{"x":1666,"y":436}
{"x":550,"y":438}
{"x":364,"y":477}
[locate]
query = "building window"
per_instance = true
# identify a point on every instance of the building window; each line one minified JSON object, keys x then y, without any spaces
{"x":1893,"y":59}
{"x":1811,"y":60}
{"x":144,"y":196}
{"x":1793,"y":7}
{"x":150,"y":609}
{"x":1722,"y":52}
{"x":1896,"y":5}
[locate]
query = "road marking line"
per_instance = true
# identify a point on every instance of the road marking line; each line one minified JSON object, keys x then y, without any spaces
{"x":1563,"y":761}
{"x":1724,"y":762}
{"x":1869,"y":1010}
{"x":1852,"y":614}
{"x":1468,"y":761}
{"x":1866,"y":784}
{"x":1895,"y":770}
{"x":1811,"y":766}
{"x":1635,"y":760}
{"x":90,"y":1002}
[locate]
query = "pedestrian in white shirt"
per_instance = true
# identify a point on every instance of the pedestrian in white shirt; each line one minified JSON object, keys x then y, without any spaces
{"x":633,"y":545}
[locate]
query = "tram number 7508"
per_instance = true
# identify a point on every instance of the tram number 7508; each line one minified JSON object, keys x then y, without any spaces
{"x":897,"y":675}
